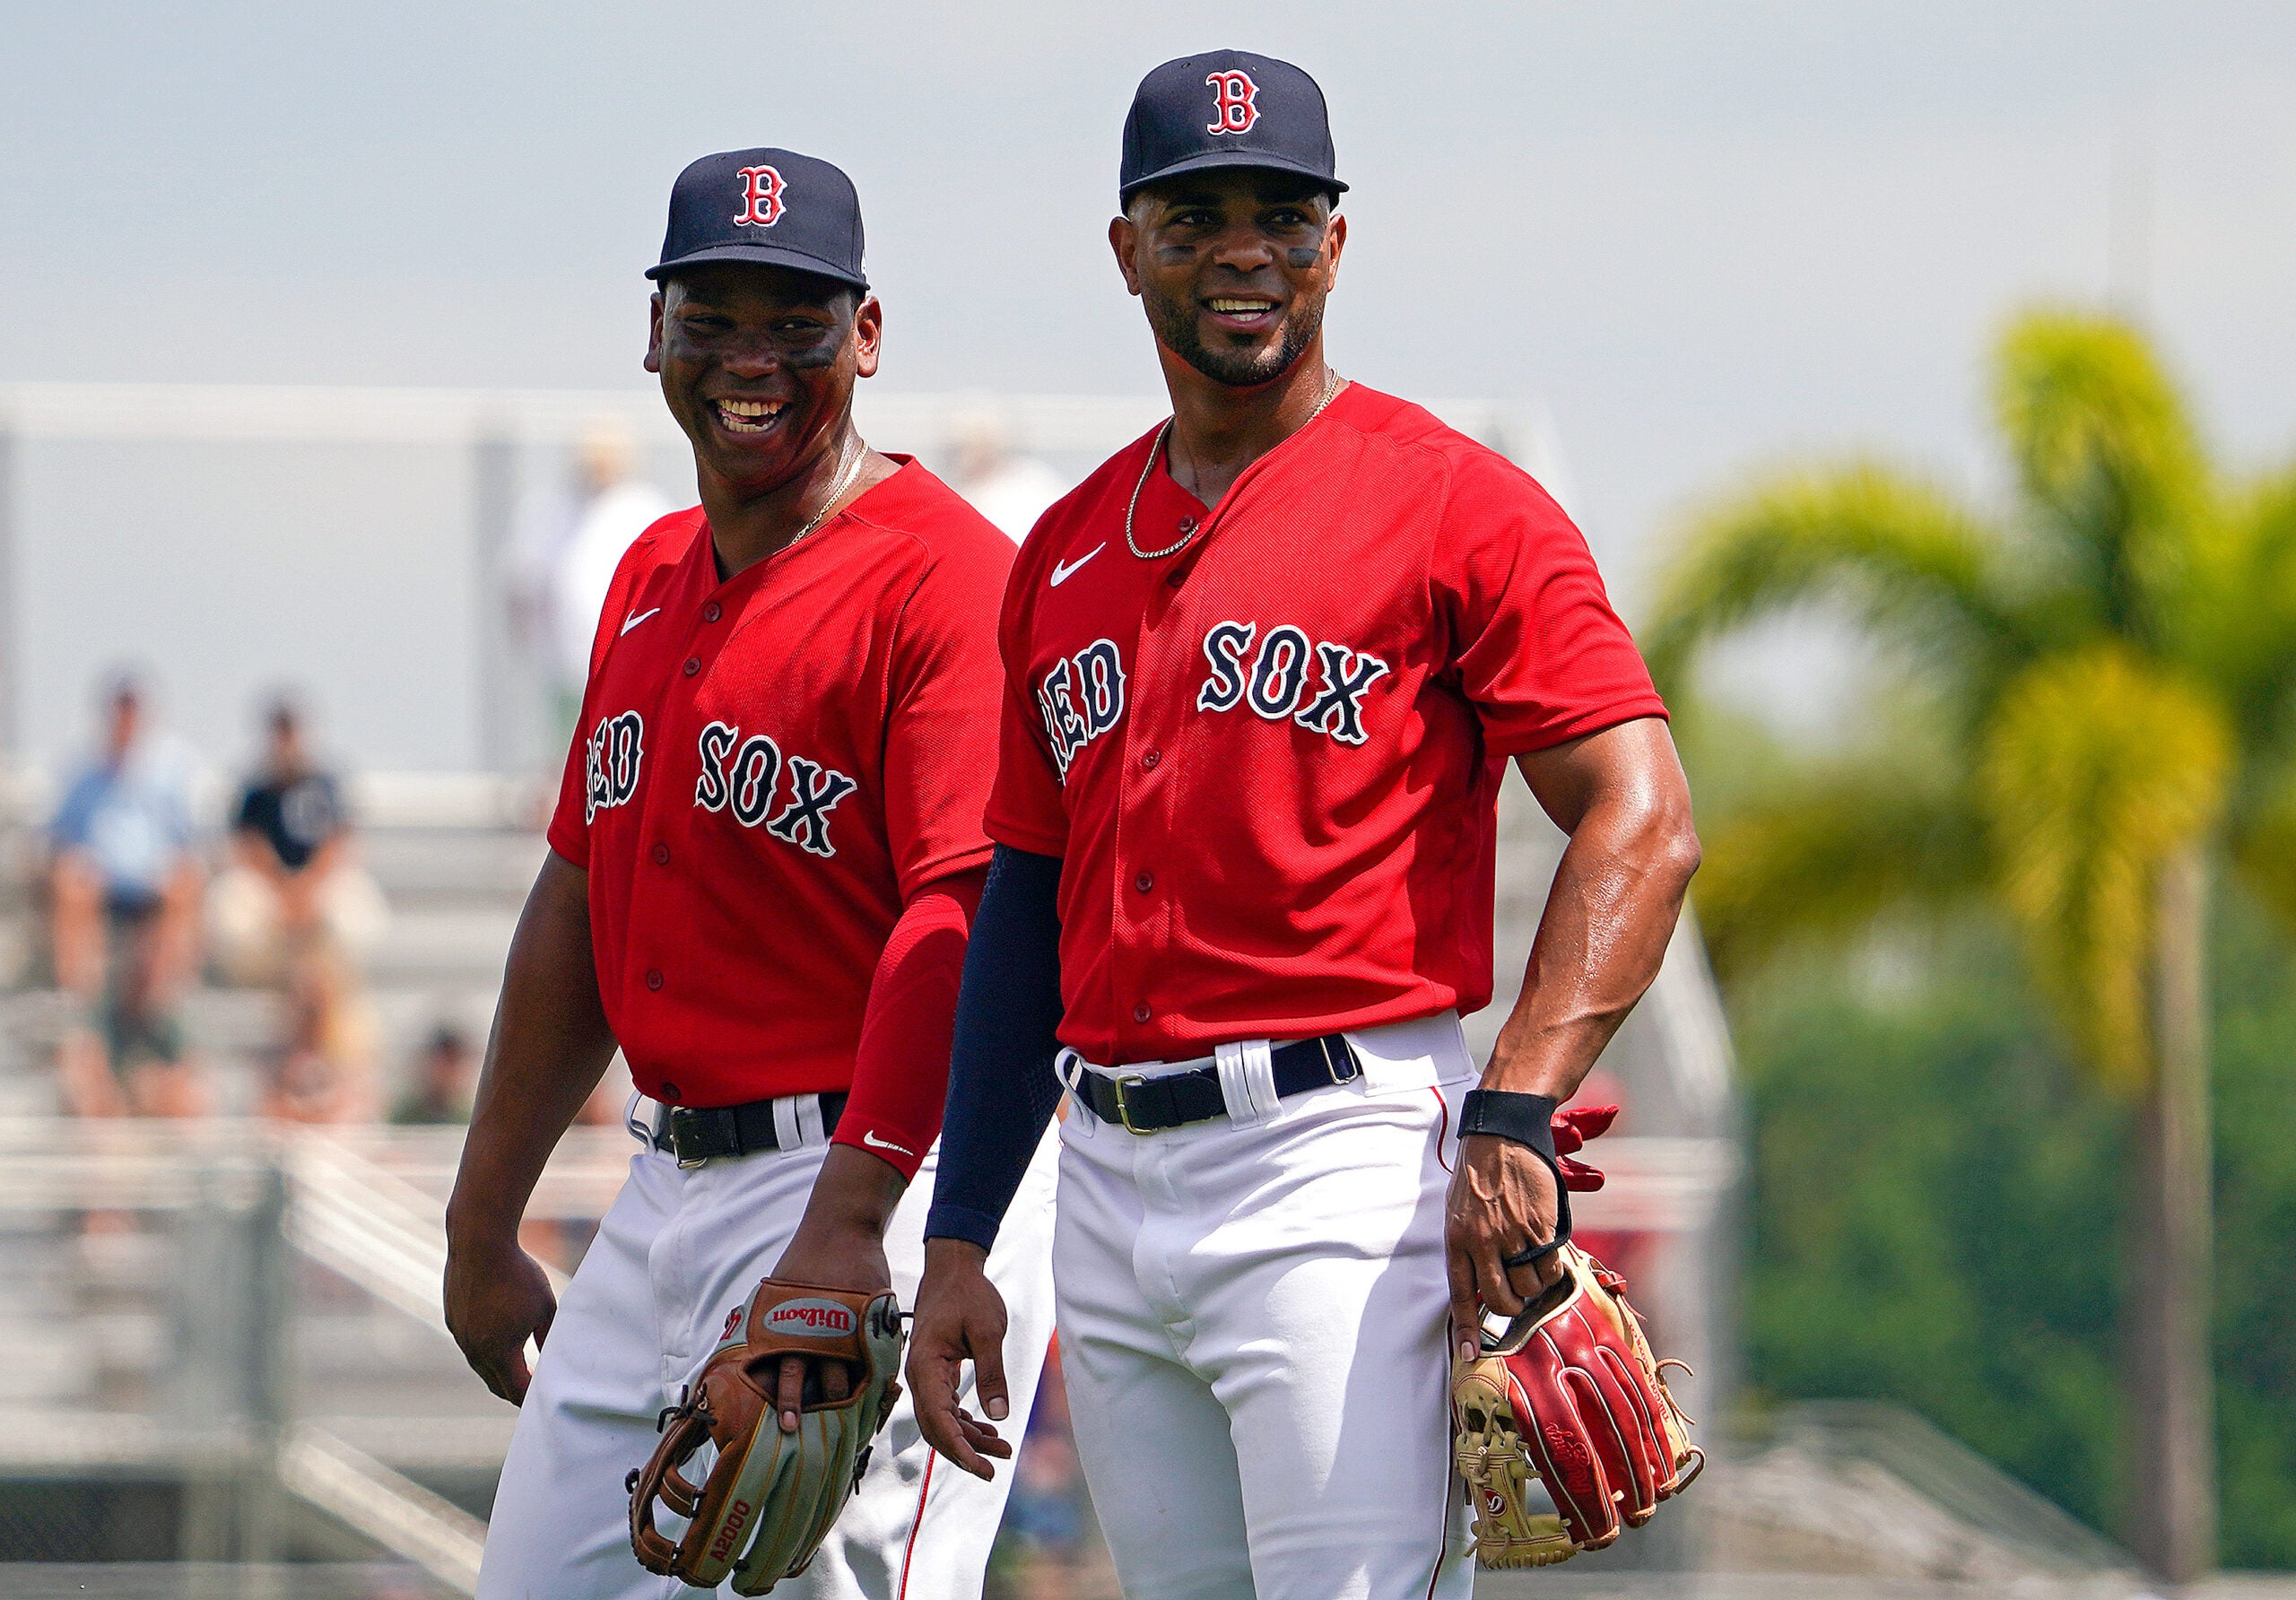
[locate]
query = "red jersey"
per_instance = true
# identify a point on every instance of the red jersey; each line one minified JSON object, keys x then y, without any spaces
{"x":1271,"y":761}
{"x":767,"y":769}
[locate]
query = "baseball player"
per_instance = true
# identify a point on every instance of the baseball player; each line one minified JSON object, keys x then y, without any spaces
{"x":766,"y":852}
{"x":1264,"y":673}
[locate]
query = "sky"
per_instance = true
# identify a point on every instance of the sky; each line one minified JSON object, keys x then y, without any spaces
{"x":1700,"y":239}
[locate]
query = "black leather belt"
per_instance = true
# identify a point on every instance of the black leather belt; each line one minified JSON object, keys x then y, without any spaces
{"x":1143,"y":1105}
{"x":699,"y":1133}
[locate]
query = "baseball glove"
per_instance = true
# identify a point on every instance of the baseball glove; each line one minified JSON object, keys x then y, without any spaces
{"x":1568,"y":1394}
{"x":768,"y":1498}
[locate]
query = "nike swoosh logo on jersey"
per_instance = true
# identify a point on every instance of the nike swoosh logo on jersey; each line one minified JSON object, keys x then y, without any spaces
{"x":869,"y":1137}
{"x":1063,"y":570}
{"x":637,"y":618}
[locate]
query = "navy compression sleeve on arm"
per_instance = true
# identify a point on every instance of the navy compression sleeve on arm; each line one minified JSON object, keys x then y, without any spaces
{"x":1002,"y":1089}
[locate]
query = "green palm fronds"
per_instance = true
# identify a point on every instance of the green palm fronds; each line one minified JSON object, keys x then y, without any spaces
{"x":2112,"y":664}
{"x":2115,"y":660}
{"x":1828,"y":851}
{"x":2096,"y":768}
{"x":1898,"y":553}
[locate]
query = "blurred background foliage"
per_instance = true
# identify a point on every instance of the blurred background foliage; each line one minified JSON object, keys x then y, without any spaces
{"x":1937,"y":1200}
{"x":1978,"y":956}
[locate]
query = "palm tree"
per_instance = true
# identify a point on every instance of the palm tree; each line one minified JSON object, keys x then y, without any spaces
{"x":2107,"y":677}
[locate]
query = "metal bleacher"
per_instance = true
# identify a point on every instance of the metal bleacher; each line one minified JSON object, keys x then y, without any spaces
{"x":220,"y":1342}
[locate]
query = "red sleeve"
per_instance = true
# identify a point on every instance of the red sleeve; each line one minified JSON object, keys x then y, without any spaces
{"x":941,"y":713}
{"x":1539,"y":651}
{"x":1026,"y":808}
{"x":900,"y":1070}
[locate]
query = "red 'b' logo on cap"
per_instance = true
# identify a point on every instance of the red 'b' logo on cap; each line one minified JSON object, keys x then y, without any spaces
{"x":761,"y":204}
{"x":1232,"y":108}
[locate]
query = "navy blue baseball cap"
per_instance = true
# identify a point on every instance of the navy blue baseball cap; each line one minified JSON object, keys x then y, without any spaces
{"x":767,"y":207}
{"x":1226,"y":108}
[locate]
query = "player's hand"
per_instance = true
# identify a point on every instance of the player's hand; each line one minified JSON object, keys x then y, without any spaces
{"x":960,"y":1318}
{"x":1502,"y":1203}
{"x":497,"y":1299}
{"x":837,"y":1251}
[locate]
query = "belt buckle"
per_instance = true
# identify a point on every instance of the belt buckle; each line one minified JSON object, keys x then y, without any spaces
{"x":681,"y":1124}
{"x":686,"y":1118}
{"x":1347,"y":1069}
{"x":1124,"y":1106}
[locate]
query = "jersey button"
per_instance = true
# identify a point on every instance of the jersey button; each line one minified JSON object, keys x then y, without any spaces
{"x":653,"y":978}
{"x":1145,"y":881}
{"x":1187,"y":524}
{"x":661,"y":854}
{"x":712,"y":611}
{"x":1140,"y":1013}
{"x":692,"y":666}
{"x":670,"y":1092}
{"x":1175,"y":578}
{"x":1149,"y":758}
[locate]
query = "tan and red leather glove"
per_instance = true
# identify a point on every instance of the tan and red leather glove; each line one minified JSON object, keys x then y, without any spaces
{"x":1567,"y":1393}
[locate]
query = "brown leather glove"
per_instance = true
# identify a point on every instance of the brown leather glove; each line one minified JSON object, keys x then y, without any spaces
{"x":768,"y":1498}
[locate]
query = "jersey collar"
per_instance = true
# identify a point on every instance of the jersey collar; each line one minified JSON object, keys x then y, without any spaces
{"x":1173,"y":500}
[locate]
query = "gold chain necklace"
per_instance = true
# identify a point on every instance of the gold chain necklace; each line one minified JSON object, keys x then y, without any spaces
{"x":845,"y":477}
{"x":1332,"y":382}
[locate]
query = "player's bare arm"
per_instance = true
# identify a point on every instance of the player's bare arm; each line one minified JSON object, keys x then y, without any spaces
{"x":960,"y":1318}
{"x":1621,"y":796}
{"x":549,"y":1047}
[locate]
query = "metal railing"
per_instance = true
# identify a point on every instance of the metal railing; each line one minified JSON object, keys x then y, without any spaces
{"x":174,"y":1242}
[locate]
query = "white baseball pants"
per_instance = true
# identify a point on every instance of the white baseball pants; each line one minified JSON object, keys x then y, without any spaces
{"x":1252,"y":1316}
{"x":677,"y":1250}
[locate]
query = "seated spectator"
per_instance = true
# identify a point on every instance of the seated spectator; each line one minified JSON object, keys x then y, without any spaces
{"x":442,"y":1078}
{"x":123,"y":889}
{"x":294,"y":911}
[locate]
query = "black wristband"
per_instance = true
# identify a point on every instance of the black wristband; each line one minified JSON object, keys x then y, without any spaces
{"x":1528,"y":1119}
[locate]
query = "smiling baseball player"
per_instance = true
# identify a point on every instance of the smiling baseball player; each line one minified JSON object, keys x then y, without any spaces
{"x":1264,"y":670}
{"x":765,"y":856}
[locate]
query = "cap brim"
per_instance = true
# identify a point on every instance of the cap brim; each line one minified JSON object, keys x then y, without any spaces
{"x":1230,"y":158}
{"x":759,"y":255}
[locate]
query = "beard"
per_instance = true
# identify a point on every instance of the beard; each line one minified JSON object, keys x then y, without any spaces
{"x":1175,"y":327}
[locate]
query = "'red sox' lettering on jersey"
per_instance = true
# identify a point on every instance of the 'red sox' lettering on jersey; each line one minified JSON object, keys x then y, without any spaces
{"x":741,"y":776}
{"x":811,"y":736}
{"x":610,"y":762}
{"x":1293,"y":717}
{"x":1275,"y":682}
{"x":1080,"y":698}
